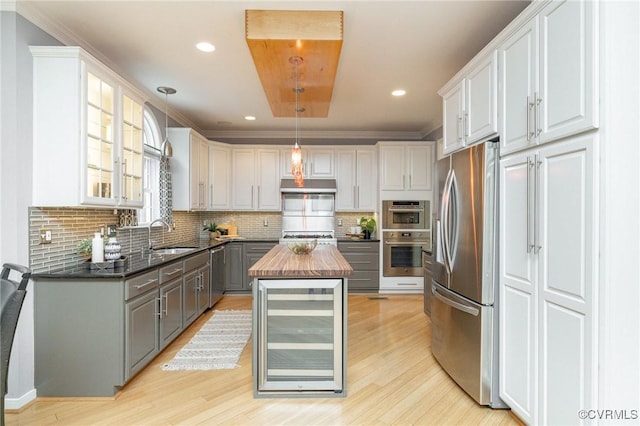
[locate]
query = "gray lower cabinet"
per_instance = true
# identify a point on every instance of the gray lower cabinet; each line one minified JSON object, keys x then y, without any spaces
{"x":235,"y":259}
{"x":240,"y":257}
{"x":93,"y":335}
{"x":364,"y":258}
{"x":196,"y":287}
{"x":141,"y":331}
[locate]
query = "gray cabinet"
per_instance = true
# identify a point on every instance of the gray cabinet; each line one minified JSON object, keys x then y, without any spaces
{"x":235,"y":258}
{"x":240,"y":257}
{"x":141,"y":331}
{"x":364,"y":258}
{"x":195,"y":287}
{"x":170,"y":303}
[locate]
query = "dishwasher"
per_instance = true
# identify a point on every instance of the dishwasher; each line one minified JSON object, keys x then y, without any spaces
{"x":217,"y":276}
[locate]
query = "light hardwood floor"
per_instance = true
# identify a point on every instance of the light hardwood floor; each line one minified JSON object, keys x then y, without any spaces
{"x":392,"y":379}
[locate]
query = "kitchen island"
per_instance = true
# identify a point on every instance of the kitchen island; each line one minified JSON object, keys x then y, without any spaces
{"x":300,"y":323}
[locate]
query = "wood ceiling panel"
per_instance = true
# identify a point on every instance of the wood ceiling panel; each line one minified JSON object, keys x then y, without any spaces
{"x":274,"y":37}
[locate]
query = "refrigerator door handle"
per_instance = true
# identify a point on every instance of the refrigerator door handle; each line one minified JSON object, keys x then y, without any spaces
{"x":459,"y":306}
{"x":444,"y":217}
{"x":453,"y":227}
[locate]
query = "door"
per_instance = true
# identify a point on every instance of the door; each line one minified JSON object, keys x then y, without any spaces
{"x":440,"y":271}
{"x":141,"y":322}
{"x":453,"y":104}
{"x":469,"y":228}
{"x":461,"y":339}
{"x":190,"y":296}
{"x":170,"y":311}
{"x":481,"y":101}
{"x":419,"y":161}
{"x":268,"y":183}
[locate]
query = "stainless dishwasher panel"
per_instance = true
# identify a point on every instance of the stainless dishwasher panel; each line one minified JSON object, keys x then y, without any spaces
{"x":461,"y":341}
{"x":218,"y":274}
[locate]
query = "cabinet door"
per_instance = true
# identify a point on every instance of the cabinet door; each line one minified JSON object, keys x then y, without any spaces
{"x":519,"y":70}
{"x":481,"y":100}
{"x":567,"y":259}
{"x":346,"y":180}
{"x":419,"y":167}
{"x":190,"y":297}
{"x":252,"y":253}
{"x":366,"y":180}
{"x":198,"y":173}
{"x":101,"y":149}
{"x":320,"y":163}
{"x":235,"y":260}
{"x":243,"y":178}
{"x":268,"y":180}
{"x":203,"y":289}
{"x":141,"y":322}
{"x":171,"y":311}
{"x":518,"y":338}
{"x":452,"y":127}
{"x":568,"y":53}
{"x":219,"y":178}
{"x":392,"y":168}
{"x":132,"y":152}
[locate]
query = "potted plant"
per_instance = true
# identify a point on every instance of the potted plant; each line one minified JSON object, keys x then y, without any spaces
{"x":84,"y":247}
{"x":213,"y":229}
{"x":368,"y":225}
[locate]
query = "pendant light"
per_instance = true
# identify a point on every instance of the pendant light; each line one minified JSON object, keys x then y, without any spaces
{"x":297,"y":169}
{"x":166,"y":149}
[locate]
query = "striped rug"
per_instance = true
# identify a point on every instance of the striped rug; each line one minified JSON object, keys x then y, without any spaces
{"x":217,"y":345}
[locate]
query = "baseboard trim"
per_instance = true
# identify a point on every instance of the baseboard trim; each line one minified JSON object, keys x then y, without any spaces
{"x":20,"y":403}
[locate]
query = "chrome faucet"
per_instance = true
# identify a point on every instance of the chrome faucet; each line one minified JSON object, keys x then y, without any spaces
{"x":149,"y":230}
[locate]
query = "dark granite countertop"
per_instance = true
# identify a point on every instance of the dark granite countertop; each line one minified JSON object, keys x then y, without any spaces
{"x":136,"y":263}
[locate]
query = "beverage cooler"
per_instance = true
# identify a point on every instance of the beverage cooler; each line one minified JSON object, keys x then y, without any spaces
{"x":298,"y":337}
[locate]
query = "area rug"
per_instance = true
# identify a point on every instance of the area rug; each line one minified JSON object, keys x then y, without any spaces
{"x":217,"y":345}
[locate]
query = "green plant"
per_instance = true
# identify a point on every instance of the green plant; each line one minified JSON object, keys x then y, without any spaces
{"x":84,"y":246}
{"x":367,"y":224}
{"x":211,"y":227}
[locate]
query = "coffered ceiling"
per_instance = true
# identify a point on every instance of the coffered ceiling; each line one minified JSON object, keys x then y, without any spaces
{"x":412,"y":45}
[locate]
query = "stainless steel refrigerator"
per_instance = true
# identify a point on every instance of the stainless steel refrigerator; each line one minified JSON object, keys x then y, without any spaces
{"x":464,"y":316}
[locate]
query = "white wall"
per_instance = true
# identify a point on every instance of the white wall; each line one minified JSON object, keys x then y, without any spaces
{"x":16,"y":151}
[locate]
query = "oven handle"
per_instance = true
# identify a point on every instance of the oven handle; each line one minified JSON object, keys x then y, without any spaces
{"x":406,"y":243}
{"x":405,"y":210}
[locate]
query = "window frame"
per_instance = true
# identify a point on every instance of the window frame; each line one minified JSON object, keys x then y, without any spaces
{"x":152,"y":138}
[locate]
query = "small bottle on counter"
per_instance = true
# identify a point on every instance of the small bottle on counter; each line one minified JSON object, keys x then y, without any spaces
{"x":97,"y":248}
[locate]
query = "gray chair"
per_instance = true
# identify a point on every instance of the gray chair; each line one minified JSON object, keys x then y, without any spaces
{"x":11,"y":296}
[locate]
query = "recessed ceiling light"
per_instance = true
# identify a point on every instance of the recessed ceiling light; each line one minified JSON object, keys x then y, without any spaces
{"x":249,"y":117}
{"x":205,"y":46}
{"x":399,"y":92}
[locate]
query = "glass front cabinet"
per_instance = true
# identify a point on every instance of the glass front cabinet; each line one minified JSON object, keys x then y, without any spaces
{"x":87,"y":132}
{"x":299,"y":337}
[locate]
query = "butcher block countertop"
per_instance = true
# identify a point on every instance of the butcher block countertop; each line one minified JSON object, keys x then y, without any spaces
{"x":324,"y":261}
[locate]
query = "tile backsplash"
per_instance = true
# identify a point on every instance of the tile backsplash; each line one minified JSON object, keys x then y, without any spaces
{"x":69,"y":226}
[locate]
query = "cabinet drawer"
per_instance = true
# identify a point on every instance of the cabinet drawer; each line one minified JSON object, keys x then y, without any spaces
{"x":258,"y":247}
{"x":362,"y":261}
{"x":196,"y":261}
{"x":364,"y":281}
{"x":373,"y":247}
{"x":171,"y":272}
{"x":140,"y":284}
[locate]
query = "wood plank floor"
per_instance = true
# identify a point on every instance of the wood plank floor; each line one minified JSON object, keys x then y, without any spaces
{"x":392,"y":379}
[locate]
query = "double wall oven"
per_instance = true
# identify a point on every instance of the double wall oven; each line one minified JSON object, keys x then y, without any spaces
{"x":406,"y":233}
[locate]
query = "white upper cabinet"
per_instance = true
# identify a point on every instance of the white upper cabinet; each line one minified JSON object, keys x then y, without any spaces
{"x":356,"y":179}
{"x":470,"y":105}
{"x":87,"y":115}
{"x":256,"y":179}
{"x":406,"y":166}
{"x":189,"y":169}
{"x":548,"y":72}
{"x":219,"y":177}
{"x":317,"y":163}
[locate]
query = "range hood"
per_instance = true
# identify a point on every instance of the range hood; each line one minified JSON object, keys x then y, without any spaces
{"x":310,"y":186}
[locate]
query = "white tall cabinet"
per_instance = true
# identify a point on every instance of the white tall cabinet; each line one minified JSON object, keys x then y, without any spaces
{"x":91,"y":117}
{"x":548,"y":255}
{"x":406,"y":166}
{"x":219,"y":176}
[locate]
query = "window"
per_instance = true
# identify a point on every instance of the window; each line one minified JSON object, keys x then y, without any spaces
{"x":151,"y":188}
